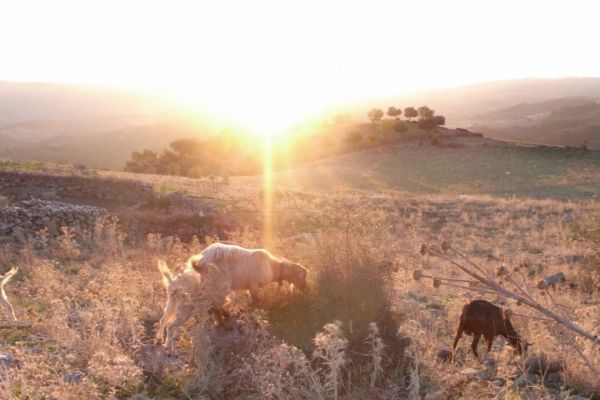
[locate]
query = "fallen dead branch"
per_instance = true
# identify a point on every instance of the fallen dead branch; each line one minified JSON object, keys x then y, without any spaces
{"x":532,"y":317}
{"x":486,"y":283}
{"x":13,"y":324}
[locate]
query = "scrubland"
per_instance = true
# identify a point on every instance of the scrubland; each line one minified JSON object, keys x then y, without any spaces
{"x":365,"y":329}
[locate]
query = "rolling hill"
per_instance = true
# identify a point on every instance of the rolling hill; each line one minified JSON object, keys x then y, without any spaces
{"x":565,"y":121}
{"x":464,"y":104}
{"x":95,"y":126}
{"x":487,"y":168}
{"x":100,"y":127}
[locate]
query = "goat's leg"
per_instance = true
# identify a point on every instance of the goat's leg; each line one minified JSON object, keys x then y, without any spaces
{"x":474,"y":345}
{"x":7,"y":306}
{"x":489,"y":340}
{"x":458,"y":336}
{"x":180,"y":319}
{"x":166,"y":317}
{"x":254,"y":289}
{"x":219,"y":315}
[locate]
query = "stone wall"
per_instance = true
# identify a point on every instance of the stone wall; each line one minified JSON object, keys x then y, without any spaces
{"x":78,"y":201}
{"x":24,"y":185}
{"x":20,"y":222}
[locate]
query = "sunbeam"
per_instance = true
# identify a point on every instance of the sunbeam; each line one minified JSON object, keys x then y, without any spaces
{"x":267,"y":189}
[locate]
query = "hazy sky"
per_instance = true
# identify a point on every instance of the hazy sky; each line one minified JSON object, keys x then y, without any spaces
{"x":294,"y":56}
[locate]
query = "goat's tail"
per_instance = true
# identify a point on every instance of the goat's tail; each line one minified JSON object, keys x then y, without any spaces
{"x":8,"y":276}
{"x":167,"y":276}
{"x":199,"y":263}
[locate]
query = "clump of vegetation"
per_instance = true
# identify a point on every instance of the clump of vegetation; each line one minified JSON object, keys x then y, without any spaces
{"x":225,"y":153}
{"x":228,"y":153}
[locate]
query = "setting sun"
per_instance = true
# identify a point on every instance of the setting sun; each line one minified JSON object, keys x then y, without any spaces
{"x":267,"y":64}
{"x":299,"y":199}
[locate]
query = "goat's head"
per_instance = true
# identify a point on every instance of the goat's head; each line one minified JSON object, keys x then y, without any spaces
{"x":514,"y":338}
{"x":519,"y":344}
{"x":294,"y":273}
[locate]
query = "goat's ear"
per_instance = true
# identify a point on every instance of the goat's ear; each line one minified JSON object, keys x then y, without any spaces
{"x":167,"y":277}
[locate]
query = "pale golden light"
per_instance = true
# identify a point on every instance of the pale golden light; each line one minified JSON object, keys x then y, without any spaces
{"x":267,"y":190}
{"x":269,"y":63}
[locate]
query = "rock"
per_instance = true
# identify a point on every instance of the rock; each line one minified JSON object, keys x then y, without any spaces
{"x":490,"y":365}
{"x":576,"y":397}
{"x":575,"y":259}
{"x":73,"y":377}
{"x":19,"y":234}
{"x":538,"y":364}
{"x":472,"y":373}
{"x":557,"y":278}
{"x":7,"y":360}
{"x":6,"y":240}
{"x":444,"y":355}
{"x":5,"y":226}
{"x":439,"y":395}
{"x":155,"y":360}
{"x":499,"y":382}
{"x":49,"y":195}
{"x":526,"y":380}
{"x":553,"y":379}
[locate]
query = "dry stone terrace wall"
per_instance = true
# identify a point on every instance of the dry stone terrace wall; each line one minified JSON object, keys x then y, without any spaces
{"x":24,"y":185}
{"x":81,"y":200}
{"x":22,"y":221}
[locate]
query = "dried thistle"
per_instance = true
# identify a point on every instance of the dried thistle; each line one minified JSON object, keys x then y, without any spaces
{"x":424,"y":249}
{"x":445,"y":246}
{"x":501,"y":270}
{"x":417,"y":274}
{"x":542,"y":284}
{"x":437,"y":282}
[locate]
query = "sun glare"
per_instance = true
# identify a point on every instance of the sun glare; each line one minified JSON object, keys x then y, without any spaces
{"x":267,"y":188}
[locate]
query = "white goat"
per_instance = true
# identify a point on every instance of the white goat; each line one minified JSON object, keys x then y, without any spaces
{"x":3,"y":299}
{"x":237,"y":268}
{"x":247,"y":269}
{"x":182,"y":293}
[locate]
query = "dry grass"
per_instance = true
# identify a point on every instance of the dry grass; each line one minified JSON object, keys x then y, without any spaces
{"x":92,"y":304}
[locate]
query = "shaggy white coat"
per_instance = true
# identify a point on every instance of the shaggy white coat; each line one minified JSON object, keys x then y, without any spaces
{"x":247,"y":269}
{"x":235,"y":268}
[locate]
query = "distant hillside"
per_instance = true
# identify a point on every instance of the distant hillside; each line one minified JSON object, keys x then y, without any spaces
{"x":103,"y":149}
{"x":35,"y":102}
{"x":461,"y":105}
{"x":100,"y":127}
{"x":94,"y":126}
{"x":566,"y":122}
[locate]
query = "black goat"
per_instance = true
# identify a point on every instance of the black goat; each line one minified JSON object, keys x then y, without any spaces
{"x":481,"y":317}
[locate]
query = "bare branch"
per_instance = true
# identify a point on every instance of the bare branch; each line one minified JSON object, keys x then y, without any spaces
{"x":526,"y":300}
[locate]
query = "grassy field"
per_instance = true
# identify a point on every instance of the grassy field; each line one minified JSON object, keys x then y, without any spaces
{"x":357,"y":222}
{"x":494,"y":168}
{"x":499,"y":169}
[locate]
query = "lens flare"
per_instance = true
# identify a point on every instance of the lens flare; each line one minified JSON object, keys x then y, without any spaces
{"x":267,"y":189}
